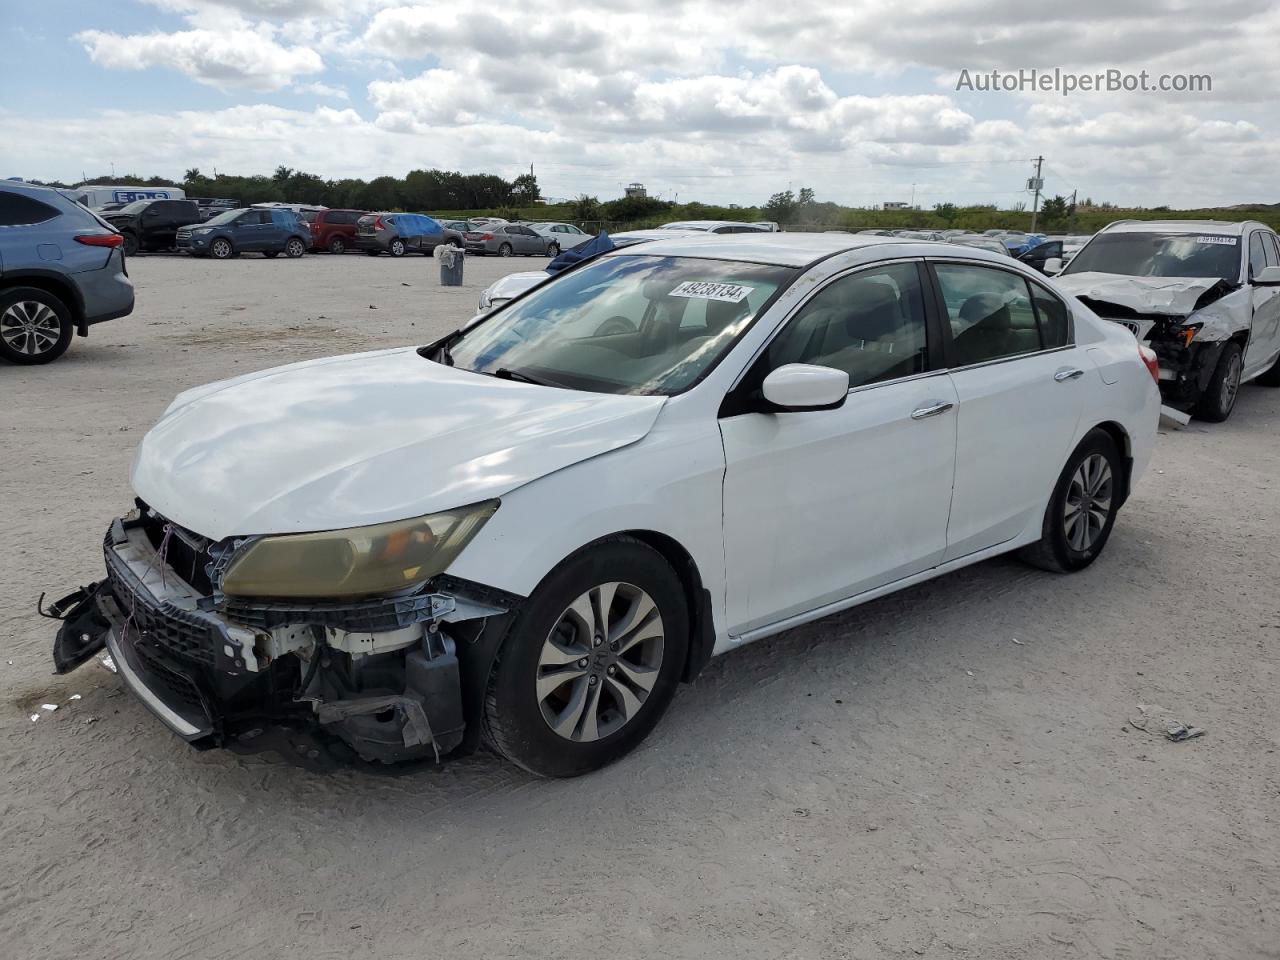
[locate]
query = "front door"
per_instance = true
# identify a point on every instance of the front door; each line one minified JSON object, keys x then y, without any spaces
{"x":1264,"y":336}
{"x":823,"y":505}
{"x":1020,"y":385}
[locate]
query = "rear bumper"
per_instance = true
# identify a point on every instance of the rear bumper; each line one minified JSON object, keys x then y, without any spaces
{"x":106,"y":293}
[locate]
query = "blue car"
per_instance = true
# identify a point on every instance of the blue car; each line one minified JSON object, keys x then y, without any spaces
{"x":401,"y":233}
{"x":269,"y":231}
{"x":61,"y":270}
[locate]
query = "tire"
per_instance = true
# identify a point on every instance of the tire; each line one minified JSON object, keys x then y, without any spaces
{"x":294,"y":248}
{"x":337,"y":245}
{"x":271,"y":254}
{"x":35,"y":326}
{"x":371,"y":253}
{"x":131,"y":244}
{"x":1064,"y":547}
{"x":505,"y":250}
{"x":221,"y":249}
{"x":1219,"y":398}
{"x":1271,"y":378}
{"x":553,"y":250}
{"x":396,"y":247}
{"x":602,"y":708}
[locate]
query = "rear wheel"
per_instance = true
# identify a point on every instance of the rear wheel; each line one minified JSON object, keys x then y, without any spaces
{"x":35,"y":326}
{"x":505,"y":250}
{"x":1219,"y":398}
{"x":396,"y":247}
{"x":294,"y":248}
{"x":337,"y":245}
{"x":1081,"y":512}
{"x":271,"y":254}
{"x":591,"y":662}
{"x":221,"y":249}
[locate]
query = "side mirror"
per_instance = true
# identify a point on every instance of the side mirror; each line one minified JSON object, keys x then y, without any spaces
{"x":1268,"y":277}
{"x":1053,"y":266}
{"x":803,"y":386}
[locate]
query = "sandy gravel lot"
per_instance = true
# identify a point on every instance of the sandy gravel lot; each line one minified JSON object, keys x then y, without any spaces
{"x":902,"y":780}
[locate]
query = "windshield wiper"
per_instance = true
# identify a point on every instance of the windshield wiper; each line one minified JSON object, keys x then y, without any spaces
{"x":506,"y":373}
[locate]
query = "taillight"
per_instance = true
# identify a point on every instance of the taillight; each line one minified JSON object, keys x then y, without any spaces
{"x":377,"y":223}
{"x":1151,"y":360}
{"x":486,"y":236}
{"x":100,"y":239}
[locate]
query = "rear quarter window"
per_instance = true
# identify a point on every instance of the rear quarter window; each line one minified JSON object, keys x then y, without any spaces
{"x":19,"y":210}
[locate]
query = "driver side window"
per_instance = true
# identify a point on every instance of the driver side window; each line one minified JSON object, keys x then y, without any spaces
{"x":870,"y":324}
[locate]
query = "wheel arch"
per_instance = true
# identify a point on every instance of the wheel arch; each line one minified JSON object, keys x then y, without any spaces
{"x":54,"y":284}
{"x":1124,"y":444}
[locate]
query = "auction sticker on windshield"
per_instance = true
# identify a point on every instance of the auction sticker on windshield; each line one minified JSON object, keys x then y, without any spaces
{"x":1228,"y":241}
{"x":712,"y":290}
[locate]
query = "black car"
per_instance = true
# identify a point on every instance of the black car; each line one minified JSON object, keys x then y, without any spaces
{"x":152,"y":224}
{"x":1041,"y":253}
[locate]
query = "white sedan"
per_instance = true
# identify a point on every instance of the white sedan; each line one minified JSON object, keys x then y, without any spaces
{"x":530,"y":532}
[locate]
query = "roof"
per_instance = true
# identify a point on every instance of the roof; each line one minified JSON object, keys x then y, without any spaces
{"x":798,"y":249}
{"x":1233,"y":228}
{"x":711,"y":225}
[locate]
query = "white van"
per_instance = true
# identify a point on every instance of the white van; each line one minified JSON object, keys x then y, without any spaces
{"x":99,"y":195}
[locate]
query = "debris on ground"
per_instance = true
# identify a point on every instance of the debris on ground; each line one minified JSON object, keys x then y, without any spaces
{"x":1155,"y":719}
{"x":74,"y":696}
{"x":1017,"y":641}
{"x":49,"y":706}
{"x":1170,"y":417}
{"x":107,"y":662}
{"x":35,"y":717}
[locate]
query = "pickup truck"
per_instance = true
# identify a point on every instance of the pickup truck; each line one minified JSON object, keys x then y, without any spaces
{"x":152,"y":224}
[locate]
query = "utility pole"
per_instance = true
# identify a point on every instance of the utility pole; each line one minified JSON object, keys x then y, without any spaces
{"x":1037,"y":184}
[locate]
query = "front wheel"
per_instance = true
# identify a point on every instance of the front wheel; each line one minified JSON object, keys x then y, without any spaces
{"x":591,"y":662}
{"x":1083,"y":508}
{"x":35,"y":326}
{"x":337,"y":245}
{"x":220,"y":249}
{"x":505,"y":250}
{"x":1219,"y":398}
{"x":294,"y":248}
{"x":397,"y":247}
{"x":130,"y":243}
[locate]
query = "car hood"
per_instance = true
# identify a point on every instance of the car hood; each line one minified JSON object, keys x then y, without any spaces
{"x":1172,"y":296}
{"x":514,"y":284}
{"x":362,"y":439}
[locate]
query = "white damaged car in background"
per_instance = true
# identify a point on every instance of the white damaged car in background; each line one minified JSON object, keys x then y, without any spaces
{"x":1203,"y":294}
{"x":529,"y":532}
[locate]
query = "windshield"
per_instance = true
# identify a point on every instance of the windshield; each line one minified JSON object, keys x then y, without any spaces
{"x":222,"y":218}
{"x":135,"y":207}
{"x":624,"y":324}
{"x":1161,"y":255}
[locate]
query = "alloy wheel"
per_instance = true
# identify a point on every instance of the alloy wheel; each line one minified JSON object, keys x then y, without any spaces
{"x":221,"y":249}
{"x":1088,"y":502}
{"x":30,"y":327}
{"x":600,"y":662}
{"x":294,"y":248}
{"x":337,"y":245}
{"x":1230,"y":384}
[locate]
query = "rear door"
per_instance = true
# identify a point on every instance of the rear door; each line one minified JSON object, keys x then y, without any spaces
{"x":1019,"y":382}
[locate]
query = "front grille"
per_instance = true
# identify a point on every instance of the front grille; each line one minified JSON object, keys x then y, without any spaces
{"x":186,"y":553}
{"x":159,"y":673}
{"x":177,"y":633}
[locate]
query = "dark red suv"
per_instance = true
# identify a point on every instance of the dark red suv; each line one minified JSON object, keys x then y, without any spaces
{"x":334,"y":230}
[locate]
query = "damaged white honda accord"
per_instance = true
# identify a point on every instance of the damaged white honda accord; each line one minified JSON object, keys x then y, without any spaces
{"x":531,"y":531}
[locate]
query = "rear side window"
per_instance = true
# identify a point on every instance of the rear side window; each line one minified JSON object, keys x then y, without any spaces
{"x":18,"y":210}
{"x":1052,"y":316}
{"x":1271,"y":249}
{"x":990,"y":313}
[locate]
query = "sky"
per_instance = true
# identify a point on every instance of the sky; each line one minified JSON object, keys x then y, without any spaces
{"x":723,"y":102}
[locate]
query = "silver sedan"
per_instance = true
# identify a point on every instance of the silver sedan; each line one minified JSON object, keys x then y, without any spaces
{"x":507,"y":240}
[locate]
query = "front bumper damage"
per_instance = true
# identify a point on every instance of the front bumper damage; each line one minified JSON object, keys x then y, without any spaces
{"x":382,"y":677}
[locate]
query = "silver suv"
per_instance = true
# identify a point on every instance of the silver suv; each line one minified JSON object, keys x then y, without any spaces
{"x":61,"y":270}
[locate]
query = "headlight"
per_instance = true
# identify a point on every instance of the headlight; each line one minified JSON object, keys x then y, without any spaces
{"x":362,"y":561}
{"x":203,"y":230}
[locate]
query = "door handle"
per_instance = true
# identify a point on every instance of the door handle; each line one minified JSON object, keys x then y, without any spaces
{"x":932,"y":410}
{"x":1063,"y":375}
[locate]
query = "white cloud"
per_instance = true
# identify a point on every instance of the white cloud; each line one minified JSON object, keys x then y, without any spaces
{"x":323,"y":90}
{"x":231,"y":58}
